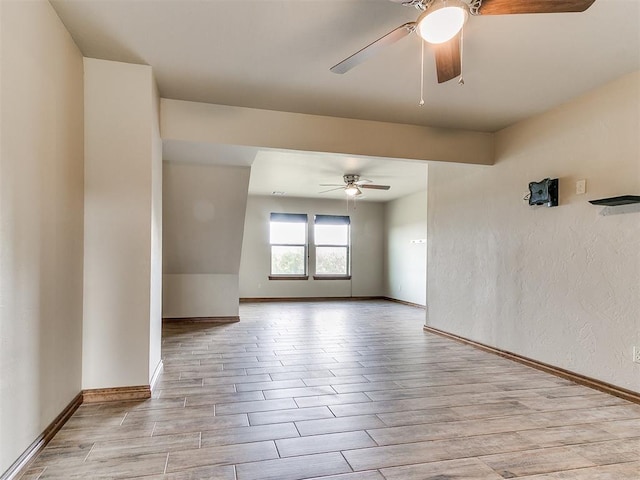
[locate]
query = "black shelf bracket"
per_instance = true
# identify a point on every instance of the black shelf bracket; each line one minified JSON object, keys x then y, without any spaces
{"x":616,"y":201}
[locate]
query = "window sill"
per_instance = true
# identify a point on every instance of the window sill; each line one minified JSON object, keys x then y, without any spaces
{"x":332,"y":277}
{"x":288,"y":277}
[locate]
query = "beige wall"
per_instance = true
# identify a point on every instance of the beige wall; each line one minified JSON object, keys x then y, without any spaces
{"x":367,"y":249}
{"x":560,"y":285}
{"x":155,"y":284}
{"x":191,"y":295}
{"x":406,"y":260}
{"x":204,"y":208}
{"x":228,"y":125}
{"x":41,"y":194}
{"x":121,"y":274}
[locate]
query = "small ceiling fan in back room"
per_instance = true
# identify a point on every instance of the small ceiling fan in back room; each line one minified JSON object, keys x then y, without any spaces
{"x":441,"y":22}
{"x":353,"y":185}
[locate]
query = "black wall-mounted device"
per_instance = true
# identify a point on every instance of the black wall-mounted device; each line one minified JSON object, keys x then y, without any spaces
{"x":544,"y":192}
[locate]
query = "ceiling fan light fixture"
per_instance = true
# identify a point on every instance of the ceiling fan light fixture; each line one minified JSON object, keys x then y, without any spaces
{"x":352,"y":190}
{"x":442,"y":21}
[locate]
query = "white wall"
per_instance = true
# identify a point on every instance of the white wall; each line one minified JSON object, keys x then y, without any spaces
{"x":560,"y":285}
{"x":367,"y":250}
{"x":121,"y":274}
{"x":204,"y":208}
{"x":41,"y":195}
{"x":406,"y":261}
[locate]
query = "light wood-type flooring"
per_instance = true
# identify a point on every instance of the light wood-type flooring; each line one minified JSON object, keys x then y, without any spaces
{"x":351,"y":390}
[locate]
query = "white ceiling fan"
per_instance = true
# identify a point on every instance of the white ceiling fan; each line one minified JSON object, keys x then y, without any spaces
{"x":353,"y":185}
{"x":441,"y":22}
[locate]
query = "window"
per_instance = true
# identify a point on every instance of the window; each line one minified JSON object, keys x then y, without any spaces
{"x":331,"y":234}
{"x":288,"y":239}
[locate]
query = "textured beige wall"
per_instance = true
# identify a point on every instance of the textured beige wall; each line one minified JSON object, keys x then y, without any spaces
{"x":367,"y":249}
{"x":204,"y":208}
{"x":559,"y":285}
{"x":200,"y":295}
{"x":41,"y":195}
{"x":405,"y":261}
{"x":221,"y":124}
{"x":121,"y":163}
{"x":203,"y":212}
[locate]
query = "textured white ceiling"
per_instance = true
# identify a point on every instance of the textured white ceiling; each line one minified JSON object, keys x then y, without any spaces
{"x":276,"y":54}
{"x":300,"y":174}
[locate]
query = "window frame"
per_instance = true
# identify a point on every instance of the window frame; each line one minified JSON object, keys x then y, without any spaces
{"x":332,"y":220}
{"x":290,"y":218}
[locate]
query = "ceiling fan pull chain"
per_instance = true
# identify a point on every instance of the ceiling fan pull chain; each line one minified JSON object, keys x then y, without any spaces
{"x":461,"y":80}
{"x":421,"y":104}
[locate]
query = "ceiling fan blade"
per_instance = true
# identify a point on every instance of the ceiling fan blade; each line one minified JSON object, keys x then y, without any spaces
{"x":506,"y":7}
{"x":448,"y":63}
{"x":375,"y":187}
{"x":331,"y":190}
{"x":331,"y":185}
{"x":362,"y":55}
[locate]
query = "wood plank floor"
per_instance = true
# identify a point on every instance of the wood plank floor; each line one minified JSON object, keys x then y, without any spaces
{"x":345,"y":391}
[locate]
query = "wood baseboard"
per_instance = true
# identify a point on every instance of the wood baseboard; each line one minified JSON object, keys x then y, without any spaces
{"x":306,"y":299}
{"x":410,"y":304}
{"x":557,"y":371}
{"x":327,"y":299}
{"x":116,"y":394}
{"x":24,"y":461}
{"x":96,"y":395}
{"x":202,"y":320}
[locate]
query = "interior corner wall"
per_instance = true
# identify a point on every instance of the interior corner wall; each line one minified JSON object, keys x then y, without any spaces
{"x":41,"y":218}
{"x":367,"y":250}
{"x":559,"y":285}
{"x":121,"y":162}
{"x":203,"y":224}
{"x":406,"y":248}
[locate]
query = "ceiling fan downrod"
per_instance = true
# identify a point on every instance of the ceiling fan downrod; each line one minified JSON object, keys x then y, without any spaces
{"x":421,"y":102}
{"x":461,"y":79}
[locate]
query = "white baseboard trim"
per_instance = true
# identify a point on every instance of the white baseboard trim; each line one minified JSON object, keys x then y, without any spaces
{"x":156,"y":374}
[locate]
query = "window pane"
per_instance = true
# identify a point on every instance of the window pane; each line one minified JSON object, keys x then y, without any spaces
{"x":288,"y":233}
{"x":331,"y":234}
{"x":331,"y":261}
{"x":287,"y":261}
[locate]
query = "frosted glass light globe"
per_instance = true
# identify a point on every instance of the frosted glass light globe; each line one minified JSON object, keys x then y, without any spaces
{"x":352,"y":190}
{"x":442,"y":24}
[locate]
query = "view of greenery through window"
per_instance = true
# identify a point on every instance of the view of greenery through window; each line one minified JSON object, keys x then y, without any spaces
{"x":331,"y":260}
{"x":288,"y":248}
{"x":287,"y":260}
{"x":288,"y":239}
{"x":332,"y":249}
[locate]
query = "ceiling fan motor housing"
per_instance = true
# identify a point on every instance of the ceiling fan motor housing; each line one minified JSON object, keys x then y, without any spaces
{"x":350,"y":178}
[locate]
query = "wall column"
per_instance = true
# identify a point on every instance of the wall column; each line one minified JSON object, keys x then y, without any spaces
{"x":122,"y":229}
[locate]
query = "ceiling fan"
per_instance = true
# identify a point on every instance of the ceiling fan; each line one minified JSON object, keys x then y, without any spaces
{"x":353,"y":185}
{"x":441,"y":22}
